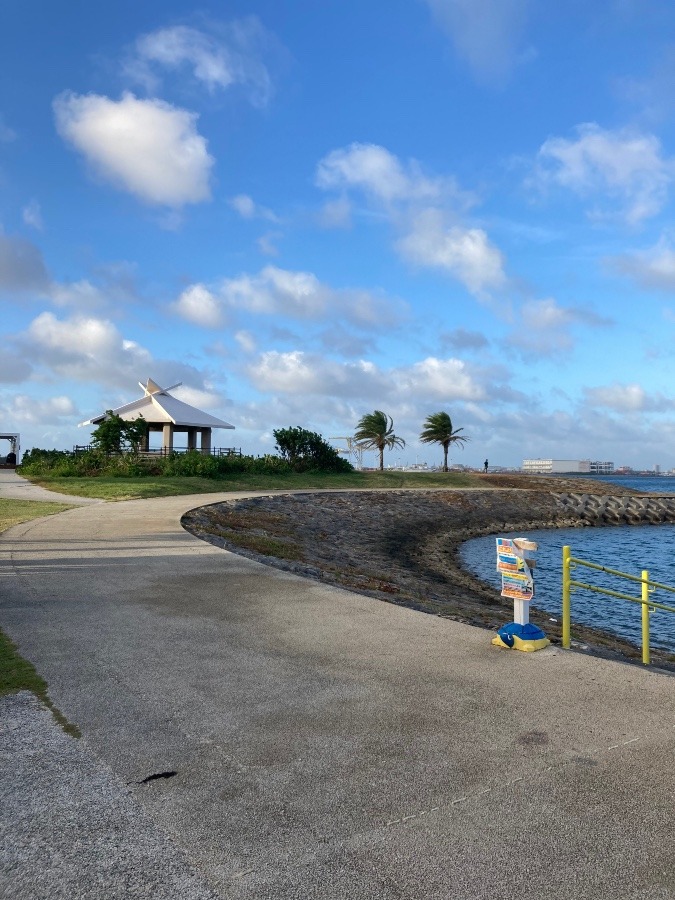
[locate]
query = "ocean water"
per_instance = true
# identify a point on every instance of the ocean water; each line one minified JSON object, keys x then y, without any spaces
{"x":628,"y":548}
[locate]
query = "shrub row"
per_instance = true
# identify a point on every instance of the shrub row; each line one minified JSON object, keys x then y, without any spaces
{"x":64,"y":464}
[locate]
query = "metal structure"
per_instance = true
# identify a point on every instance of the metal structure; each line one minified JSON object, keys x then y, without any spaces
{"x":647,"y":588}
{"x":354,"y":450}
{"x":14,"y":439}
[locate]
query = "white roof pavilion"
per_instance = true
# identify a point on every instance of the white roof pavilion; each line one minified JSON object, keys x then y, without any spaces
{"x":164,"y":412}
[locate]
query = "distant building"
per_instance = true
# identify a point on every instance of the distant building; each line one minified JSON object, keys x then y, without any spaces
{"x":602,"y":468}
{"x":566,"y":467}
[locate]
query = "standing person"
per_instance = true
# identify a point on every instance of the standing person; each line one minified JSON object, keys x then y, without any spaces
{"x":485,"y":464}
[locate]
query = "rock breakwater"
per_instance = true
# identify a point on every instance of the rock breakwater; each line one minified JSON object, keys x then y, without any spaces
{"x":403,"y":546}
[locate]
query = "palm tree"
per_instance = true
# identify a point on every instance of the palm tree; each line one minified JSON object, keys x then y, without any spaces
{"x":376,"y":430}
{"x":438,"y":430}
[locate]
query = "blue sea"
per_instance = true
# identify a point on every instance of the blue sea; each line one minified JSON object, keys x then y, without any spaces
{"x":628,"y":548}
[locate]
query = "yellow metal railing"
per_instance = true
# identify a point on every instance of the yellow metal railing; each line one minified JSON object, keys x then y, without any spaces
{"x":647,"y":588}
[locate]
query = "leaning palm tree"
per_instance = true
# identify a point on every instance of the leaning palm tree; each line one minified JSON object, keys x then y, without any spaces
{"x":376,"y":430}
{"x":438,"y":430}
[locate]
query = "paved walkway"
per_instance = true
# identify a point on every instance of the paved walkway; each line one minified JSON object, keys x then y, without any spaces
{"x":324,"y":744}
{"x":14,"y":487}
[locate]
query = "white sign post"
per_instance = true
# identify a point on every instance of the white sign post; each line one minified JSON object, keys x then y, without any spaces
{"x":515,"y":564}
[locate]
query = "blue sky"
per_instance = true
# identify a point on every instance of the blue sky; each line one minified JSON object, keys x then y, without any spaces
{"x":307,"y":211}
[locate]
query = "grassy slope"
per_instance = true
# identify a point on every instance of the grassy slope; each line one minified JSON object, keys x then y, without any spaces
{"x":16,"y":673}
{"x":138,"y":488}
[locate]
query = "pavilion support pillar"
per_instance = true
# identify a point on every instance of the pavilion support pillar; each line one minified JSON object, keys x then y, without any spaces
{"x":206,"y":440}
{"x":144,"y":445}
{"x":167,"y":437}
{"x":192,"y":438}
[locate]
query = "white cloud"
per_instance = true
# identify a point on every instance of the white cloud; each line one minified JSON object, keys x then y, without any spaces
{"x":380,"y":175}
{"x":336,"y":214}
{"x":297,"y":372}
{"x":299,"y":295}
{"x":486,"y":33}
{"x":229,"y":55}
{"x":300,"y":373}
{"x":146,"y":147}
{"x":653,"y":268}
{"x":82,"y":295}
{"x":544,"y":327}
{"x":23,"y":409}
{"x":32,"y":215}
{"x":465,"y":253}
{"x":202,"y":399}
{"x":22,"y":267}
{"x":439,"y":379}
{"x":420,"y":207}
{"x":625,"y":166}
{"x":249,"y":209}
{"x":85,"y":348}
{"x":266,"y":243}
{"x":628,"y":398}
{"x":246,"y":341}
{"x":197,"y":304}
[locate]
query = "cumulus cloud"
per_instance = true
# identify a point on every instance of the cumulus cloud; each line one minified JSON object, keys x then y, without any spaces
{"x":23,"y":409}
{"x":229,"y":54}
{"x":300,"y":373}
{"x":198,"y":305}
{"x":148,"y":148}
{"x":653,"y":268}
{"x":424,"y":208}
{"x":85,"y":348}
{"x":465,"y":253}
{"x":628,"y":398}
{"x":486,"y":33}
{"x":381,"y":176}
{"x":21,"y":265}
{"x":280,"y":292}
{"x":624,"y":166}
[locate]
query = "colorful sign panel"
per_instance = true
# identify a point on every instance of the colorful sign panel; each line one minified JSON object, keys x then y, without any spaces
{"x":517,"y":580}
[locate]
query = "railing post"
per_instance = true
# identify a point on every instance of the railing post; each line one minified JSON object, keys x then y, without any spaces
{"x":566,"y":613}
{"x":645,"y":617}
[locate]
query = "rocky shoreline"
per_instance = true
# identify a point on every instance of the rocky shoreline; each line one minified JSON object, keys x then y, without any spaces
{"x":403,"y":546}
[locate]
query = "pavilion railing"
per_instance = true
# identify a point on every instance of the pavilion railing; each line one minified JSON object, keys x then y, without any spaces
{"x":164,"y":451}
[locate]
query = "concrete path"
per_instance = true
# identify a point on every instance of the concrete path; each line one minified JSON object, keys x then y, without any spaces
{"x":14,"y":487}
{"x":325,"y":745}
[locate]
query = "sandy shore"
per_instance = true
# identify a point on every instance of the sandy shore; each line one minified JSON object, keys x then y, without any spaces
{"x":403,"y":546}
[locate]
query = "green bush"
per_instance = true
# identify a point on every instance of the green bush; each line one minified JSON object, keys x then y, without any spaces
{"x":307,"y":451}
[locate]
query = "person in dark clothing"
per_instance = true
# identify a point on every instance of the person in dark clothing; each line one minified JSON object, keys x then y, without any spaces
{"x":485,"y":464}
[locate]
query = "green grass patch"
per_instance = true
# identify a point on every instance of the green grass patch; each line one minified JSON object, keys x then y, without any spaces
{"x":16,"y":673}
{"x":13,"y":512}
{"x":115,"y":488}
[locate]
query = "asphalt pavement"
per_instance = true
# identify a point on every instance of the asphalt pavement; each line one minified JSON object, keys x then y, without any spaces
{"x":247,"y":733}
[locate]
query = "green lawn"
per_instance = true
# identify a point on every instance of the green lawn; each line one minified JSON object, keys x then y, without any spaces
{"x":16,"y":673}
{"x":13,"y":512}
{"x":142,"y":487}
